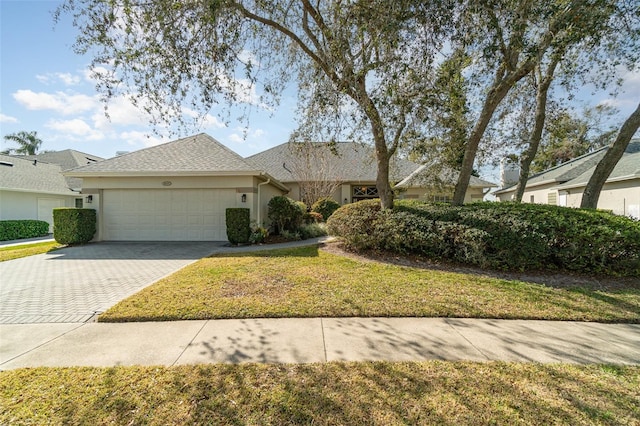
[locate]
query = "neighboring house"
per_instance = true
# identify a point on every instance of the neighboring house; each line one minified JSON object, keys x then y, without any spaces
{"x":179,"y":190}
{"x":31,"y":189}
{"x":67,"y":159}
{"x":353,"y":167}
{"x":563,"y":185}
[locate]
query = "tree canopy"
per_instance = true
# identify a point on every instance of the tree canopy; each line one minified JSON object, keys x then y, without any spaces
{"x":29,"y":142}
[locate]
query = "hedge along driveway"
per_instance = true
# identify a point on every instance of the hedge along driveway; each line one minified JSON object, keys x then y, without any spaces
{"x":308,"y":282}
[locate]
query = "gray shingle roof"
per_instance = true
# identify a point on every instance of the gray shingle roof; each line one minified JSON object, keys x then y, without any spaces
{"x":627,"y":167}
{"x":67,"y":159}
{"x":19,"y":174}
{"x":424,"y":175}
{"x":194,"y":154}
{"x":343,"y":161}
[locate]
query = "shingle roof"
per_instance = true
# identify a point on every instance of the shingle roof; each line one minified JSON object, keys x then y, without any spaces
{"x":18,"y":174}
{"x":562,"y":172}
{"x":194,"y":154}
{"x":67,"y":159}
{"x":424,"y":176}
{"x":343,"y":161}
{"x":627,"y":167}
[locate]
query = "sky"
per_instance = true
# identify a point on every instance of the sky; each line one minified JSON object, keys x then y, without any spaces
{"x":45,"y":87}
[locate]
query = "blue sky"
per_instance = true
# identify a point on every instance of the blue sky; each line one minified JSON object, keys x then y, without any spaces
{"x":44,"y":87}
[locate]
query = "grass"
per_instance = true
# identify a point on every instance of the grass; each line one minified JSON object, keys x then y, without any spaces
{"x":371,"y":393}
{"x":24,"y":250}
{"x":307,"y":282}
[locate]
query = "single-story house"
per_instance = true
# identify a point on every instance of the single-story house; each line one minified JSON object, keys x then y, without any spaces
{"x":179,"y":190}
{"x":564,"y":185}
{"x":352,"y":166}
{"x":31,"y":189}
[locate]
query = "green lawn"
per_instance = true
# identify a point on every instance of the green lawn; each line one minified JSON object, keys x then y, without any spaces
{"x":24,"y":250}
{"x":378,"y":393}
{"x":308,"y":282}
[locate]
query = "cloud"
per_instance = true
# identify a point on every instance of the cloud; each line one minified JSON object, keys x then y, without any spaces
{"x":7,"y":119}
{"x":243,"y":135}
{"x":66,"y":78}
{"x":60,"y":102}
{"x":75,"y":128}
{"x":141,"y":138}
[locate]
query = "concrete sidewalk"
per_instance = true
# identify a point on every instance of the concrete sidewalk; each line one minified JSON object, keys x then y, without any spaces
{"x":316,"y":340}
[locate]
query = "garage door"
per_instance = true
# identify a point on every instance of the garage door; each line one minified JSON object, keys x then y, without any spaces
{"x":166,"y":215}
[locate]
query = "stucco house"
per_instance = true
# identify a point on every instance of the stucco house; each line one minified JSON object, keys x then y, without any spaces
{"x":564,"y":185}
{"x":180,"y":190}
{"x":177,"y":191}
{"x":31,"y":189}
{"x":352,"y":166}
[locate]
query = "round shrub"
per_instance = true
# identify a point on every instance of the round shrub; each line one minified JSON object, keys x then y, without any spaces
{"x":356,"y":223}
{"x":73,"y":226}
{"x":285,"y":213}
{"x":325,"y":206}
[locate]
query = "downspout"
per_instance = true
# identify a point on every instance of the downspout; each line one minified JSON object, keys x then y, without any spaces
{"x":259,"y":204}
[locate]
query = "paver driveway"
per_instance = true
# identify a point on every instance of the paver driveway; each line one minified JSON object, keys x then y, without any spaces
{"x":72,"y":284}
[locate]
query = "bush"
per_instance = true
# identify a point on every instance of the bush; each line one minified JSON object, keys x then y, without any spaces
{"x":19,"y":229}
{"x":73,"y":226}
{"x":497,"y":235}
{"x":312,"y":230}
{"x":285,"y":213}
{"x":238,"y":225}
{"x":258,"y":234}
{"x":312,"y":217}
{"x":326,"y":207}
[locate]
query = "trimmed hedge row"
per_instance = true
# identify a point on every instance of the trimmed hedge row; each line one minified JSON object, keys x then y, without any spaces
{"x":73,"y":226}
{"x":19,"y":229}
{"x":496,"y":235}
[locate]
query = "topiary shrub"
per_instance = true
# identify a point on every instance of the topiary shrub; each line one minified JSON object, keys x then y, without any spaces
{"x":238,"y":225}
{"x":312,"y":217}
{"x":73,"y":226}
{"x":19,"y":229}
{"x":356,"y":223}
{"x":325,"y":206}
{"x":285,"y":213}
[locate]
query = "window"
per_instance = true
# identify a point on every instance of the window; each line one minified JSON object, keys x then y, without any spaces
{"x":441,"y":198}
{"x":531,"y":199}
{"x":552,"y":198}
{"x":364,"y":192}
{"x":78,"y":203}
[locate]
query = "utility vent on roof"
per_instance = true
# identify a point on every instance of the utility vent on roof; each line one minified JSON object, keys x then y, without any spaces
{"x":6,"y":163}
{"x":119,"y":153}
{"x":90,"y":160}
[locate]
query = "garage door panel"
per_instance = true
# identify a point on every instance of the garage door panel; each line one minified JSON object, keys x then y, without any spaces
{"x":166,"y":215}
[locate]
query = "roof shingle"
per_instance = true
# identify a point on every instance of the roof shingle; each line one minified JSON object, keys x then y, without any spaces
{"x":19,"y":174}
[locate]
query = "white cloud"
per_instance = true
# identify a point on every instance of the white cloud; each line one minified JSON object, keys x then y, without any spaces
{"x":75,"y":128}
{"x":136,"y":138}
{"x":7,"y":119}
{"x":234,"y":137}
{"x":122,"y":112}
{"x":66,"y":78}
{"x":60,"y":102}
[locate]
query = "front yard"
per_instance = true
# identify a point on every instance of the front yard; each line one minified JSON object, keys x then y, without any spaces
{"x":378,"y":393}
{"x":29,"y":249}
{"x":311,"y":282}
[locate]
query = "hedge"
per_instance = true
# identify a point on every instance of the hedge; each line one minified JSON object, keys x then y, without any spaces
{"x":19,"y":229}
{"x":496,"y":235}
{"x":285,"y":213}
{"x":73,"y":226}
{"x":326,"y":207}
{"x":238,"y":225}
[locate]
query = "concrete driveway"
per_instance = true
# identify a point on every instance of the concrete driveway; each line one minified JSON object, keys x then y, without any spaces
{"x":72,"y":284}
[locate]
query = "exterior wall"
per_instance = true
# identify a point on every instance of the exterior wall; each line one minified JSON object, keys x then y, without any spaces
{"x":264,"y":193}
{"x":24,"y":205}
{"x":621,"y":198}
{"x":540,"y":194}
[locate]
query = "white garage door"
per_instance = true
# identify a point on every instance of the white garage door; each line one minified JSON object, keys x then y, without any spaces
{"x":166,"y":215}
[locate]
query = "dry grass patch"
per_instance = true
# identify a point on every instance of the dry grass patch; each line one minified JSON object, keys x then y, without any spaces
{"x":16,"y":252}
{"x":379,"y":393}
{"x":307,"y":282}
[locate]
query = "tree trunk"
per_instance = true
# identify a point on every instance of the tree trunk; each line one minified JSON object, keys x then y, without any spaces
{"x":382,"y":159}
{"x":608,"y":163}
{"x":534,"y":143}
{"x":495,"y":96}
